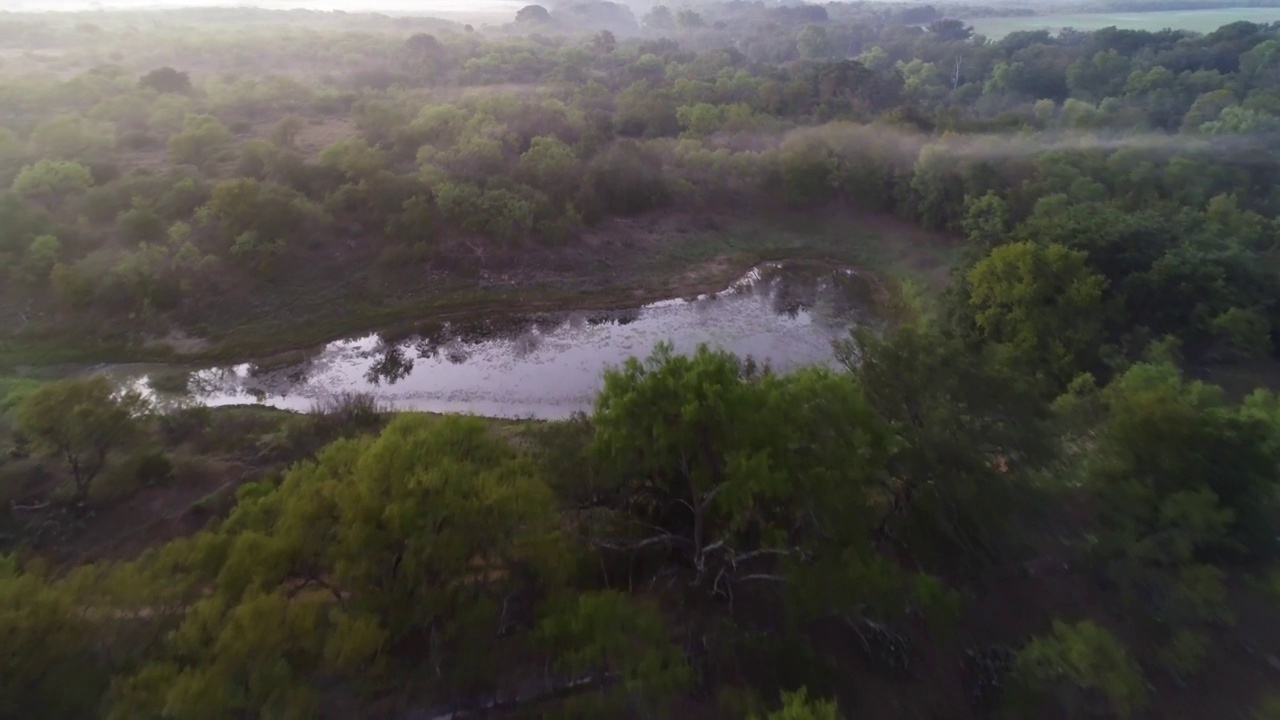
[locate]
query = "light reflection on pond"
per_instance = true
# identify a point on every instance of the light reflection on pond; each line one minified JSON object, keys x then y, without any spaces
{"x":550,"y":365}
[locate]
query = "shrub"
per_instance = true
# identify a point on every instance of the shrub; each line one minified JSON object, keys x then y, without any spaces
{"x":166,"y":80}
{"x":349,"y":412}
{"x":627,"y":180}
{"x":1081,"y":665}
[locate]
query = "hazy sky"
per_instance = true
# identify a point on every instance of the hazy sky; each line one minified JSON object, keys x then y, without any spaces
{"x":415,"y":7}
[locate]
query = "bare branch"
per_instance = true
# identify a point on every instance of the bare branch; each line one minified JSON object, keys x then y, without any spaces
{"x":706,"y":501}
{"x":667,"y":539}
{"x":764,"y":577}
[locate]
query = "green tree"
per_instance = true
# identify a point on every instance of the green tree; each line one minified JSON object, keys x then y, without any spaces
{"x":804,"y":169}
{"x":627,"y":635}
{"x":1081,"y":669}
{"x":533,"y":14}
{"x":273,"y":212}
{"x":257,"y":252}
{"x":141,"y":224}
{"x":734,"y":472}
{"x":199,"y":141}
{"x":814,"y":43}
{"x":626,"y":180}
{"x":166,"y":80}
{"x":82,"y":421}
{"x":1169,"y":447}
{"x":418,"y":222}
{"x":551,"y":166}
{"x":1237,"y":120}
{"x":497,"y":214}
{"x":950,"y":30}
{"x":355,"y":158}
{"x":51,"y":667}
{"x":72,"y":137}
{"x":689,"y":19}
{"x":52,"y":181}
{"x":986,"y":221}
{"x":1043,"y":304}
{"x":40,"y":258}
{"x":286,"y":132}
{"x":1100,"y":77}
{"x":660,"y":19}
{"x":957,"y":412}
{"x":72,"y":286}
{"x":603,"y":43}
{"x":421,"y":553}
{"x":1182,"y":482}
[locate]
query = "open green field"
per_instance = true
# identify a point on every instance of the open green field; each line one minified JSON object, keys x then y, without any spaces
{"x":1197,"y":20}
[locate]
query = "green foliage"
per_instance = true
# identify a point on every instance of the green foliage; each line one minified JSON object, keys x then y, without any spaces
{"x":81,"y":421}
{"x":1181,"y":479}
{"x":611,"y":630}
{"x":986,"y":221}
{"x":551,"y":166}
{"x":1173,"y":453}
{"x":957,"y":414}
{"x":39,"y":259}
{"x":498,"y":214}
{"x":797,"y":706}
{"x":735,"y":472}
{"x":199,"y":141}
{"x":52,"y":181}
{"x":813,"y":43}
{"x":1244,"y":333}
{"x":70,"y":137}
{"x":1081,"y":668}
{"x":424,"y":545}
{"x":626,"y":180}
{"x":1041,"y":303}
{"x":166,"y":80}
{"x":355,"y":158}
{"x":1112,"y":187}
{"x":141,"y":225}
{"x":51,"y":668}
{"x":272,"y":212}
{"x":805,"y":170}
{"x":256,"y":251}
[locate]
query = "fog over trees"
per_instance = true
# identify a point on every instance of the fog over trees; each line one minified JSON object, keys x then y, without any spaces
{"x":1040,"y":480}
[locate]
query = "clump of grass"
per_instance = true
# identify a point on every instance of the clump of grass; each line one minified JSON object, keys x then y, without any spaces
{"x":350,"y":411}
{"x":346,"y":414}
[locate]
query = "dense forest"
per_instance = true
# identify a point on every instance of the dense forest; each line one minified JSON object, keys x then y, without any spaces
{"x":1047,"y":486}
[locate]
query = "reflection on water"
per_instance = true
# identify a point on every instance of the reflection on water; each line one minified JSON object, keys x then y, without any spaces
{"x":550,"y":365}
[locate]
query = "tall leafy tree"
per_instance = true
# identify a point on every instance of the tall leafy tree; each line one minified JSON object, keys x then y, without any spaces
{"x":82,"y":422}
{"x":739,"y":475}
{"x":967,"y":428}
{"x":1041,"y":303}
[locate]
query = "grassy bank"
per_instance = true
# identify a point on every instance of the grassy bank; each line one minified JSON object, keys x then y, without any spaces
{"x":642,"y":262}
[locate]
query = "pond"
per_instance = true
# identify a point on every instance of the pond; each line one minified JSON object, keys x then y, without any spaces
{"x":544,"y":366}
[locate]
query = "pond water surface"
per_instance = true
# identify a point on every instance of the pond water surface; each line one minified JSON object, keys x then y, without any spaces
{"x":545,"y":366}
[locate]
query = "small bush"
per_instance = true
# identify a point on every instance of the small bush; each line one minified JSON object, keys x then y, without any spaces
{"x":142,"y":469}
{"x":194,"y":471}
{"x":138,"y":140}
{"x":350,"y":412}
